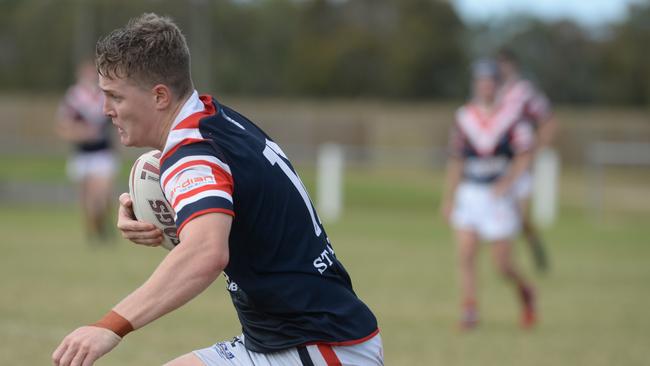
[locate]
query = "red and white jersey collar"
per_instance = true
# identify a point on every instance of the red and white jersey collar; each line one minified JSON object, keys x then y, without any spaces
{"x":484,"y":130}
{"x":181,"y":130}
{"x":516,"y":91}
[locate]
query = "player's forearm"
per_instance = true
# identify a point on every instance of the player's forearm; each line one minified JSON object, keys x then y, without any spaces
{"x":546,"y":133}
{"x":453,"y":176}
{"x":182,"y":275}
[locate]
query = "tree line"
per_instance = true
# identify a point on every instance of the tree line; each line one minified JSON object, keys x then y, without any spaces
{"x":397,"y":49}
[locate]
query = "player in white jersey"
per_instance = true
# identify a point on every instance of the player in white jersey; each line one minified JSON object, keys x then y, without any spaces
{"x":536,"y":108}
{"x":490,"y":147}
{"x":93,"y":164}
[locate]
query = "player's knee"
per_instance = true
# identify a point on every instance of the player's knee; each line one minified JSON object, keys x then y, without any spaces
{"x":505,"y":269}
{"x":466,"y":260}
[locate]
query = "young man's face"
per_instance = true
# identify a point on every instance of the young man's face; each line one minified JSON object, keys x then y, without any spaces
{"x":132,"y":109}
{"x":507,"y":68}
{"x":485,"y":88}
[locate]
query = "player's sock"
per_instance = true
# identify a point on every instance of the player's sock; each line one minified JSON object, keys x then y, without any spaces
{"x":469,"y":317}
{"x":539,"y":253}
{"x":527,"y":298}
{"x":536,"y":246}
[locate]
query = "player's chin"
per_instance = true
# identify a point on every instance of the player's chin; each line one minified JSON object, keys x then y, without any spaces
{"x":126,"y":140}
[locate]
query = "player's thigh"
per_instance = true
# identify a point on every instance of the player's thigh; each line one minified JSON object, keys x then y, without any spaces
{"x":100,"y":186}
{"x":234,"y":353}
{"x":188,"y":359}
{"x":469,"y":204}
{"x":502,"y":252}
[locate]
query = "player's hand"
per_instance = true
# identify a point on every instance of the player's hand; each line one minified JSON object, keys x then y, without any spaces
{"x":84,"y":346}
{"x":500,"y":188}
{"x":136,"y":231}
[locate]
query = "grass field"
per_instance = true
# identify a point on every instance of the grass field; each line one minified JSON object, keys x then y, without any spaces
{"x":594,"y":302}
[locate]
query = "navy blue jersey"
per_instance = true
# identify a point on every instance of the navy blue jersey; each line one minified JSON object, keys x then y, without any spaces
{"x":284,"y":279}
{"x":488,"y":143}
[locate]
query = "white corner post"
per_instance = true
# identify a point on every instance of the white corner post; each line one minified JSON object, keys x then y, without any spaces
{"x":546,"y":169}
{"x":329,"y":182}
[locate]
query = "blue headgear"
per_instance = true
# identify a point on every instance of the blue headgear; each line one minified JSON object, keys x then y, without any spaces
{"x":485,"y":68}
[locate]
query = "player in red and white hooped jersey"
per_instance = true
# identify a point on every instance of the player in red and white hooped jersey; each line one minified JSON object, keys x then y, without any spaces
{"x":490,"y":147}
{"x":93,"y":163}
{"x":536,"y":108}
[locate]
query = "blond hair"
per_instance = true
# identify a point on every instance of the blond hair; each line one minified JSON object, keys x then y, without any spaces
{"x":149,"y":50}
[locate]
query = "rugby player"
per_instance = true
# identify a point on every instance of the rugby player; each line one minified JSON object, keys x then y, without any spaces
{"x":241,"y":210}
{"x":81,"y":122}
{"x":490,"y":147}
{"x":516,"y":90}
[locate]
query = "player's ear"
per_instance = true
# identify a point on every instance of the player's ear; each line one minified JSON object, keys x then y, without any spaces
{"x":162,"y":95}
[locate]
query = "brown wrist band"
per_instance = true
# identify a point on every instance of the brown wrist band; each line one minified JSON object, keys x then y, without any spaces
{"x":116,"y":323}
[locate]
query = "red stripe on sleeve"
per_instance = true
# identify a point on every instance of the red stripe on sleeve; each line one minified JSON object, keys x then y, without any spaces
{"x":223,"y":179}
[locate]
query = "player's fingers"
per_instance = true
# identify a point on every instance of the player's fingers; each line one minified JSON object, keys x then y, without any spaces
{"x":80,"y":356}
{"x":154,"y":240}
{"x":58,"y":352}
{"x":128,"y":225}
{"x":149,"y":242}
{"x":68,"y":355}
{"x":125,"y":213}
{"x":91,"y":357}
{"x":125,"y":200}
{"x":142,"y":234}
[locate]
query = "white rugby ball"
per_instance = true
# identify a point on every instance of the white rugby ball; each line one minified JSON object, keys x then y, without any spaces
{"x":149,"y":202}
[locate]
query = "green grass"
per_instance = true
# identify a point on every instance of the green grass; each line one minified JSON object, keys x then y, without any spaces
{"x":401,"y":257}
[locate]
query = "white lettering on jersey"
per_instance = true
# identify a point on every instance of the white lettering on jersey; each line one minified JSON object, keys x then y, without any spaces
{"x":323,"y":261}
{"x":275,"y":155}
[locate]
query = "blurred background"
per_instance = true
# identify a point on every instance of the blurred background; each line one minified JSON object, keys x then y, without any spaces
{"x":381,"y":79}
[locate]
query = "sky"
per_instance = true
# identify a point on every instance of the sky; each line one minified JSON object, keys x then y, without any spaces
{"x":586,"y":12}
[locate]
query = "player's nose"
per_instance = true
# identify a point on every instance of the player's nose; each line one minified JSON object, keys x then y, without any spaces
{"x":107,"y":109}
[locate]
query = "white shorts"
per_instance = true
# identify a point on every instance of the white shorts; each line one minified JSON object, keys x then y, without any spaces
{"x":523,"y":186}
{"x":477,"y":209}
{"x":101,"y":163}
{"x":234,"y":353}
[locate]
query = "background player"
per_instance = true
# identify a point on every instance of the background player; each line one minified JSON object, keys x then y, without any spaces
{"x":490,"y":147}
{"x":515,"y":90}
{"x":240,"y":209}
{"x":93,"y":165}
